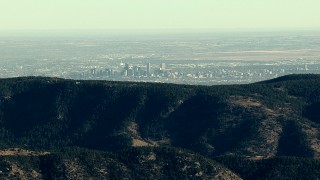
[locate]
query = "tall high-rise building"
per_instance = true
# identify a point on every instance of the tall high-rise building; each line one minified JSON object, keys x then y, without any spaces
{"x":93,"y":71}
{"x":148,"y":69}
{"x":162,"y":66}
{"x":126,"y":67}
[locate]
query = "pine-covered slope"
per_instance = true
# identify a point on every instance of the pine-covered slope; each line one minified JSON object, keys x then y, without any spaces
{"x":132,"y":163}
{"x":271,"y":119}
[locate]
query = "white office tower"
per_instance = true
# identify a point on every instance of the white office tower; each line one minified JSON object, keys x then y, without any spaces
{"x":162,"y":66}
{"x":148,"y":69}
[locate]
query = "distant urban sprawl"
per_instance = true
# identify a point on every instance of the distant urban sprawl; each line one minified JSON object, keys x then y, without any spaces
{"x":206,"y":59}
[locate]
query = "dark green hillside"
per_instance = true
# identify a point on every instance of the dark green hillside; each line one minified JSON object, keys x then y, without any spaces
{"x":41,"y":113}
{"x":264,"y":120}
{"x":293,"y":77}
{"x":275,"y":168}
{"x":133,"y":163}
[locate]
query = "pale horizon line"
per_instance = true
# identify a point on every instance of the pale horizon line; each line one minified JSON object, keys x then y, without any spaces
{"x":119,"y":32}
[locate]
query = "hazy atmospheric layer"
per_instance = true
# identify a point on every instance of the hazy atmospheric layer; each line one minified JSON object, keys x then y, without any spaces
{"x":159,"y":14}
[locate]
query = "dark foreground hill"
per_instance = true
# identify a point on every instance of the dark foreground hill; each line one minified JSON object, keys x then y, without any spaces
{"x":133,"y":163}
{"x":247,"y":128}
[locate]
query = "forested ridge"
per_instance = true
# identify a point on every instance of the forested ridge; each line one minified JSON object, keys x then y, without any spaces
{"x":104,"y":129}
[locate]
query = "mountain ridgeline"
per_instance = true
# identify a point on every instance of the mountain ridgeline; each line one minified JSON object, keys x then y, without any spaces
{"x":243,"y":127}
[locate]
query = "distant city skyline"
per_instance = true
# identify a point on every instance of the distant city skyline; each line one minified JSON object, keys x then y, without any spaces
{"x":206,"y":59}
{"x":190,"y":15}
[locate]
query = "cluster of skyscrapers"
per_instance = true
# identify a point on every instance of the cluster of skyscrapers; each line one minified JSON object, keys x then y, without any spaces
{"x":127,"y":70}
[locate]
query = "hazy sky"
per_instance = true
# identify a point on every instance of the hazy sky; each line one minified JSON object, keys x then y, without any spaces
{"x":158,"y":14}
